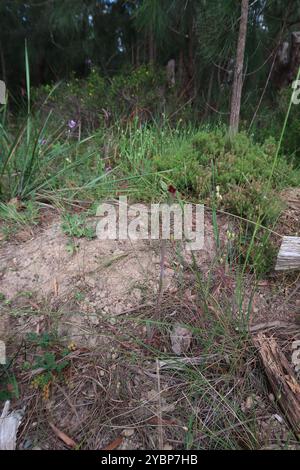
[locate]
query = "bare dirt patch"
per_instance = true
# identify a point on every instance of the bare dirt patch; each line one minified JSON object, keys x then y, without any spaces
{"x":99,"y":278}
{"x":99,"y":303}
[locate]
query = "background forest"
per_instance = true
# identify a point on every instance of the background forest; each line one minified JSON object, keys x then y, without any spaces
{"x":123,"y":48}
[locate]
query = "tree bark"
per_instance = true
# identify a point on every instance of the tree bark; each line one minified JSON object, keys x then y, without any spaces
{"x":238,"y":72}
{"x":209,"y":93}
{"x":151,"y":48}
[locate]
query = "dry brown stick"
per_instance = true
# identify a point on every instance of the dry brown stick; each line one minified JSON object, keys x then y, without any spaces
{"x":63,"y":437}
{"x":150,"y":330}
{"x":272,"y":325}
{"x":282,"y":379}
{"x":159,"y":412}
{"x":161,"y":274}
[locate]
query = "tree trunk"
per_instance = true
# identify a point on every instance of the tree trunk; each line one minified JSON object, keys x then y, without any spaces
{"x":137,"y":59}
{"x":238,"y":72}
{"x":181,"y":67}
{"x":209,"y":93}
{"x":151,"y":48}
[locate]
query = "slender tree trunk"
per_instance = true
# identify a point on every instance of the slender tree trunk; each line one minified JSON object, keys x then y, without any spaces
{"x":132,"y":54}
{"x":151,"y":48}
{"x":181,"y":69}
{"x":137,"y":60}
{"x":238,"y":72}
{"x":209,"y":93}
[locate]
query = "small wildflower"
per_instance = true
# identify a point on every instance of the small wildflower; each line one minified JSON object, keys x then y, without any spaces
{"x":230,"y":235}
{"x":72,"y":346}
{"x":72,"y":124}
{"x":218,"y":195}
{"x":172,"y":190}
{"x":46,"y":391}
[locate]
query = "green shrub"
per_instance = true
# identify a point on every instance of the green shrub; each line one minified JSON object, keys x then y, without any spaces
{"x":240,"y":177}
{"x":241,"y":169}
{"x":97,"y":101}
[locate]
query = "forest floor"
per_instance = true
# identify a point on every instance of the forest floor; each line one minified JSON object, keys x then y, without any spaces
{"x":101,"y":360}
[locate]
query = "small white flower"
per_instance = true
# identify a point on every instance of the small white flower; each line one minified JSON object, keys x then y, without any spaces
{"x":230,"y":235}
{"x":218,"y":195}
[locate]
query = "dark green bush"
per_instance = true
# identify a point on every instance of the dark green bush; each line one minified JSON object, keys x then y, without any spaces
{"x":97,"y":101}
{"x":247,"y":181}
{"x":241,"y":177}
{"x":270,"y":122}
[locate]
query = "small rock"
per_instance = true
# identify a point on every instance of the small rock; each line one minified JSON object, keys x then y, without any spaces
{"x":278,"y":418}
{"x":167,"y":447}
{"x":128,"y":432}
{"x":118,"y":309}
{"x":249,"y":403}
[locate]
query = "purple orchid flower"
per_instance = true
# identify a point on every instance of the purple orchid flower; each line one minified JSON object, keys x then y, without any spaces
{"x":72,"y":124}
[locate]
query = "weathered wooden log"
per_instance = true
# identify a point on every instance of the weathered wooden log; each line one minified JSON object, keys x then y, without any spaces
{"x":289,"y":255}
{"x":282,"y":379}
{"x":9,"y":424}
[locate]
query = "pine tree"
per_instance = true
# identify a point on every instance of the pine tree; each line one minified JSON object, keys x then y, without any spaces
{"x":238,"y":72}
